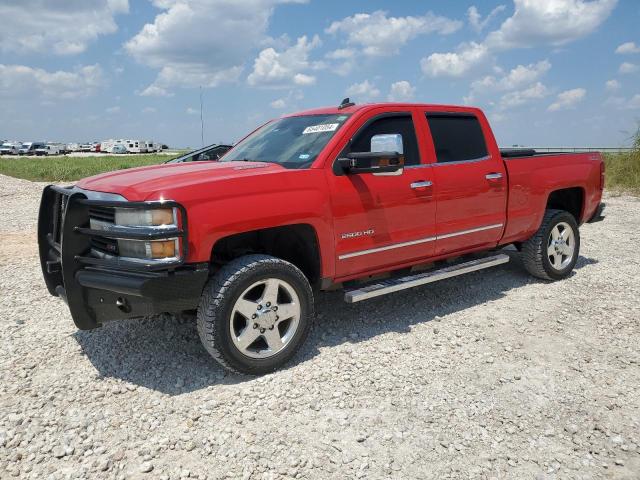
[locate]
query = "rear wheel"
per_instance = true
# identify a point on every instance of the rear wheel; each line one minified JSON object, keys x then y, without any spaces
{"x":551,"y":254}
{"x":255,"y":313}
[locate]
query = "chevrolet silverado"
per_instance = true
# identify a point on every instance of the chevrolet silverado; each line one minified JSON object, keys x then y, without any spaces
{"x":371,"y":198}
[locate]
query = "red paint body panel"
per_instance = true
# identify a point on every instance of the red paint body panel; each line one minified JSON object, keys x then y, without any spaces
{"x":355,"y":213}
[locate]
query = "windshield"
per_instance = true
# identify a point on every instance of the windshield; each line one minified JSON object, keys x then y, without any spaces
{"x":293,"y":142}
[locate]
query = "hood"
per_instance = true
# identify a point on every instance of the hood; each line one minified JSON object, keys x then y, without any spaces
{"x":138,"y":184}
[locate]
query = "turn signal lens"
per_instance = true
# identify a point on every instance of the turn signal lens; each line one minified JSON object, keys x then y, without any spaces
{"x":162,"y":216}
{"x":163,"y":249}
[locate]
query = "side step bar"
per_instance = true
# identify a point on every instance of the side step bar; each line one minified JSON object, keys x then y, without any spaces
{"x":396,"y":284}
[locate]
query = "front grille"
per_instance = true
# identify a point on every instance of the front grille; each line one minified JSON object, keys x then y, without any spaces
{"x":107,"y":246}
{"x":103,"y":245}
{"x":103,"y":214}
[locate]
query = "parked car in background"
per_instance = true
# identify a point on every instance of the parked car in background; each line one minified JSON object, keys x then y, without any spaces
{"x":73,"y":147}
{"x":85,"y":147}
{"x":9,"y":148}
{"x":29,"y":148}
{"x":50,"y":149}
{"x":210,"y":152}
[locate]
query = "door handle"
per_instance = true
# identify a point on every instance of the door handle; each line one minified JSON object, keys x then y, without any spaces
{"x":421,"y":185}
{"x":493,"y":176}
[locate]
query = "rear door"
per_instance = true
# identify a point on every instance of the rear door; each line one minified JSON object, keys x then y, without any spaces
{"x":470,"y":182}
{"x":383,"y":220}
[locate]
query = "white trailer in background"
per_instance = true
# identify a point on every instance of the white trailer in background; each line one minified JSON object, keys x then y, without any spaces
{"x":73,"y":147}
{"x":153,"y":146}
{"x":136,"y":146}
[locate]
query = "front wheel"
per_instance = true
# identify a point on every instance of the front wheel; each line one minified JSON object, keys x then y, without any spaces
{"x":255,"y":313}
{"x":553,"y":251}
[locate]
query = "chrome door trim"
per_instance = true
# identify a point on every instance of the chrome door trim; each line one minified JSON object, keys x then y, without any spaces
{"x":387,"y":247}
{"x":419,"y":241}
{"x":471,"y":230}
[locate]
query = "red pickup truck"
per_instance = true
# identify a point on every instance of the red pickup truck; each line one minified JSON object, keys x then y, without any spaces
{"x":372,"y":198}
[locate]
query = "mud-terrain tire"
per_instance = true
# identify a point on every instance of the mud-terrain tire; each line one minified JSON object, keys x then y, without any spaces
{"x":239,"y":300}
{"x":551,"y":254}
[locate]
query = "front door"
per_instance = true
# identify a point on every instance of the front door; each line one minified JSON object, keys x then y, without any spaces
{"x":383,"y":220}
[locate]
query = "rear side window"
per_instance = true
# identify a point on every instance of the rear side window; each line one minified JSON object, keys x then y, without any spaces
{"x":456,"y":137}
{"x":396,"y":124}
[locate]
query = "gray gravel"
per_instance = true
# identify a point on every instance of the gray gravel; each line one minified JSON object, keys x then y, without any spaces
{"x":492,"y":375}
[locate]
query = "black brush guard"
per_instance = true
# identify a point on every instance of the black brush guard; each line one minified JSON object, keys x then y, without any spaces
{"x":101,"y":289}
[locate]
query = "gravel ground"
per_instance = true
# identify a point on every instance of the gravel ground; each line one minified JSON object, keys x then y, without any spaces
{"x":491,"y":375}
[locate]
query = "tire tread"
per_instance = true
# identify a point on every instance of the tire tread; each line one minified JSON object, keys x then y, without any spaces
{"x":215,"y":292}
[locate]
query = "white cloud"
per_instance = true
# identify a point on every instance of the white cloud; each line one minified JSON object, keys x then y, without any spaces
{"x":149,"y":110}
{"x":201,"y":42}
{"x":278,"y":104}
{"x":627,"y":48}
{"x":287,"y":102}
{"x":634,"y":103}
{"x":627,"y":68}
{"x":401,"y":91}
{"x":521,"y":97}
{"x":192,"y":111}
{"x":550,"y":22}
{"x":612,"y":85}
{"x":379,"y":35}
{"x":59,"y":27}
{"x":476,"y":21}
{"x":568,"y":99}
{"x":456,"y":64}
{"x":114,"y":109}
{"x":533,"y":23}
{"x":23,"y":81}
{"x":341,"y":54}
{"x":521,"y":76}
{"x":280,"y":69}
{"x":622,"y":103}
{"x":155,"y":91}
{"x":344,"y":60}
{"x":363,"y":91}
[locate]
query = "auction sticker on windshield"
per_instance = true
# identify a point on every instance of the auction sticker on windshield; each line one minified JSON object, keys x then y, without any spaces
{"x":327,"y":127}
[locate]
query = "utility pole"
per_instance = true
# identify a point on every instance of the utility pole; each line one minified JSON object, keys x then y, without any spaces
{"x":201,"y":120}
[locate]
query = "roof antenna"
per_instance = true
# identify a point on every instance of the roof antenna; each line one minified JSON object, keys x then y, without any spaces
{"x":345,"y":103}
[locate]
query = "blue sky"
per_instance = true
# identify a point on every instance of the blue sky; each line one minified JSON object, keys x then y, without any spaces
{"x":547,"y":72}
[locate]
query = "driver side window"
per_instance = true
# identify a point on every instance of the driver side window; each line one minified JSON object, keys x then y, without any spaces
{"x":391,"y":125}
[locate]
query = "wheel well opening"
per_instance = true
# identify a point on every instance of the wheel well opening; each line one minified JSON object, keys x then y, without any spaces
{"x":297,"y":244}
{"x":569,"y":199}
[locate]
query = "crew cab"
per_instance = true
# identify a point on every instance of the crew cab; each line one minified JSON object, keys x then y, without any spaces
{"x":371,"y":198}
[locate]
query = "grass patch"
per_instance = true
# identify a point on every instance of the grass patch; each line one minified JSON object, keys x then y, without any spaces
{"x":623,"y":172}
{"x":623,"y":169}
{"x":62,"y":168}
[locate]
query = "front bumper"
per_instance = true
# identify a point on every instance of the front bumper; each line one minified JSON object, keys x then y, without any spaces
{"x":100,"y":289}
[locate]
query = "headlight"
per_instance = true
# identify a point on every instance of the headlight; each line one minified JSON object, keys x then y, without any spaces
{"x":133,"y":220}
{"x":157,"y":217}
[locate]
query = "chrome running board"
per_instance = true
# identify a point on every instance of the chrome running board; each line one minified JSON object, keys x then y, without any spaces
{"x":384,"y":287}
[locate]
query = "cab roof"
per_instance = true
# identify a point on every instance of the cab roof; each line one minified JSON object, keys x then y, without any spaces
{"x":336,"y":110}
